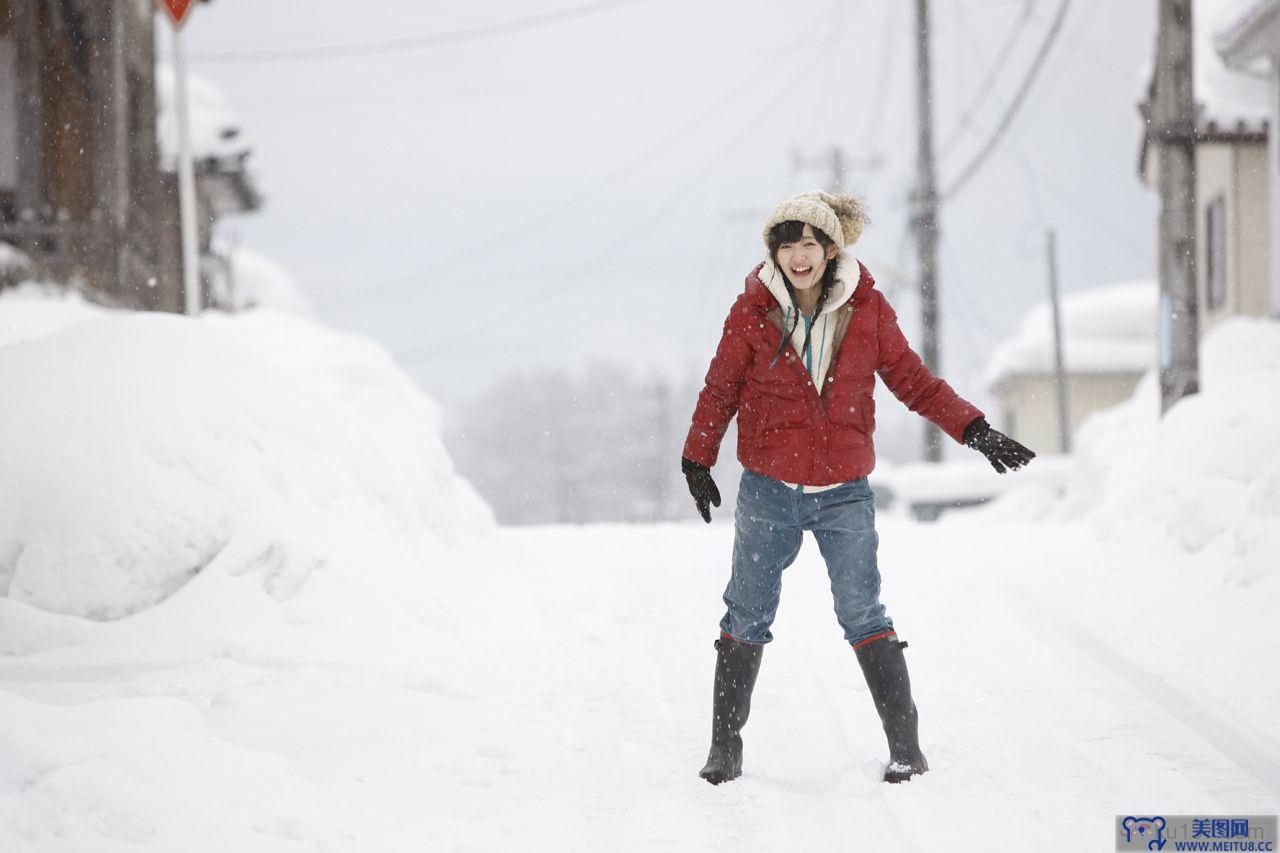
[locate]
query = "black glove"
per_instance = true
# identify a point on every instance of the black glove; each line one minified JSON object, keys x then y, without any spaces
{"x":1001,"y":451}
{"x":701,"y":486}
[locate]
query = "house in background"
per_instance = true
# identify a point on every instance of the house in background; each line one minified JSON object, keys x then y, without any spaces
{"x":1250,"y":44}
{"x":1235,"y":186}
{"x":1109,"y":342}
{"x":80,"y":188}
{"x":88,"y":186}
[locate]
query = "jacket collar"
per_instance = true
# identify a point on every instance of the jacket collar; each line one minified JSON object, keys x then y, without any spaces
{"x":852,"y":279}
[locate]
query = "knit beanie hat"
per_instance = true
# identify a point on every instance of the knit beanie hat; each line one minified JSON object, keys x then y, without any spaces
{"x":841,"y":217}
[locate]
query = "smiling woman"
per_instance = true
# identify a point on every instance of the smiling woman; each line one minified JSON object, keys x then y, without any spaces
{"x":805,"y":444}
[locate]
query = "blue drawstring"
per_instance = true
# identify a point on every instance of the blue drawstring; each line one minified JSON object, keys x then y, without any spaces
{"x":808,"y":351}
{"x":786,"y":321}
{"x":808,"y":328}
{"x":822,"y":347}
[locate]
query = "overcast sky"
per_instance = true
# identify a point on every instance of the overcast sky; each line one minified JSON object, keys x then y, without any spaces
{"x":593,"y":185}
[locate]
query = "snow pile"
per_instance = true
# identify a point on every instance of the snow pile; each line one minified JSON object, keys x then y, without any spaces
{"x":142,"y":450}
{"x":1207,"y":475}
{"x":191,"y":510}
{"x":85,"y":775}
{"x":256,"y":281}
{"x":1104,"y":330}
{"x":32,"y":310}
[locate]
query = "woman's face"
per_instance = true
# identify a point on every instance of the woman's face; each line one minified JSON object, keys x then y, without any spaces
{"x":804,"y":261}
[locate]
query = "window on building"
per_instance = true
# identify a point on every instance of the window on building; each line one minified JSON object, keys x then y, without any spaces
{"x":1216,"y":251}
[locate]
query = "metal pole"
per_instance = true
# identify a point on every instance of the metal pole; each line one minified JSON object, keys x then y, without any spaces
{"x":925,"y":218}
{"x":186,"y":183}
{"x":1175,"y":133}
{"x":1059,"y":374}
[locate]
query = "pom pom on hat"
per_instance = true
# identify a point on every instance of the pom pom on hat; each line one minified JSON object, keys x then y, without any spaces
{"x":841,"y":217}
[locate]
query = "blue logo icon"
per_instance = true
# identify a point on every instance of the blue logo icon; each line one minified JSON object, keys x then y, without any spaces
{"x":1149,"y":829}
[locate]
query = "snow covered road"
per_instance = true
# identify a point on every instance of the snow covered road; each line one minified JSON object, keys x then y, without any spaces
{"x":562,"y":700}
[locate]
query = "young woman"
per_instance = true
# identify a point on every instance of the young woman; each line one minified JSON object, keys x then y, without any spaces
{"x":797,"y":364}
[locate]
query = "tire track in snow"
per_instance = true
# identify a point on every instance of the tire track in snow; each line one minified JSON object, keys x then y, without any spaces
{"x":1252,"y":751}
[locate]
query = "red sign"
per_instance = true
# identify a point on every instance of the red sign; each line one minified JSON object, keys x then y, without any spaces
{"x":177,"y":9}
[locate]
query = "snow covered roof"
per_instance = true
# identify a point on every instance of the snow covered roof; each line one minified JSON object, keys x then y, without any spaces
{"x":215,"y":128}
{"x":1231,"y":100}
{"x":1248,"y":38}
{"x":1109,"y":329}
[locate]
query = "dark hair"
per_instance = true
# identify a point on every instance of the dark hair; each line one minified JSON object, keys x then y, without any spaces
{"x":790,"y":232}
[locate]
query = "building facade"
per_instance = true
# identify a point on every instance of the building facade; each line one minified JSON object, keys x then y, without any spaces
{"x":81,"y":190}
{"x":1109,"y":342}
{"x":1250,"y":44}
{"x":1236,"y":190}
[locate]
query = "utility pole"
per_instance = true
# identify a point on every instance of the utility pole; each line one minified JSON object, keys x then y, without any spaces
{"x":1175,"y":136}
{"x":1059,"y":374}
{"x":924,"y":217}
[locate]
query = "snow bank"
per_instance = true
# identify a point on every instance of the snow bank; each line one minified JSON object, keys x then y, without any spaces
{"x":32,"y":310}
{"x":142,"y":450}
{"x":191,"y":510}
{"x":1207,"y":475}
{"x":104,"y":776}
{"x":256,"y":281}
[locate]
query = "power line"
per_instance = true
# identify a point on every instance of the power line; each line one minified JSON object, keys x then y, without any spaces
{"x":882,"y":77}
{"x":404,"y":43}
{"x":1007,"y":119}
{"x":543,"y":219}
{"x":562,"y":84}
{"x":581,"y":274}
{"x":1003,"y":53}
{"x":1087,"y":212}
{"x":1100,"y":59}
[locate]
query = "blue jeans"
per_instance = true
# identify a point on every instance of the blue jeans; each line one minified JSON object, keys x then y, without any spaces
{"x":769,"y":524}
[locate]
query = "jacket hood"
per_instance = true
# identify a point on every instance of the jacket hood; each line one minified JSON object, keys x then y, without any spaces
{"x":851,"y":277}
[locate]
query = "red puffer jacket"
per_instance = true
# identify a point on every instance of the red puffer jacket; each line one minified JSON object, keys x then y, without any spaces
{"x":786,"y":429}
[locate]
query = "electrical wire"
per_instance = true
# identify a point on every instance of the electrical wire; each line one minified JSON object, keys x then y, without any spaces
{"x":1088,"y":213}
{"x":545,"y":218}
{"x":1003,"y":53}
{"x":406,"y":43}
{"x":581,"y":274}
{"x":1011,"y":111}
{"x":881,"y":89}
{"x":562,"y":84}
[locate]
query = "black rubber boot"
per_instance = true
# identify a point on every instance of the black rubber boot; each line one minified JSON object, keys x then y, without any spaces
{"x":885,"y":668}
{"x":737,"y":665}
